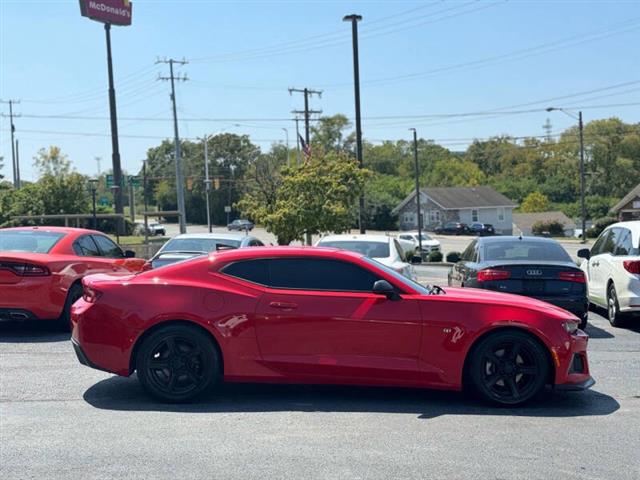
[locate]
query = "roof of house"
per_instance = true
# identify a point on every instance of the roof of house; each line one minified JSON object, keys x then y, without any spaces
{"x":455,"y":198}
{"x":635,"y":192}
{"x":525,"y":221}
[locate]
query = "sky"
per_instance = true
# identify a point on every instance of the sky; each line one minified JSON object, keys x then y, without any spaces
{"x":442,"y":66}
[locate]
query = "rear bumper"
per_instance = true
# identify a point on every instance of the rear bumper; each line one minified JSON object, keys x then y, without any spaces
{"x":82,"y":357}
{"x":40,"y":298}
{"x":579,"y":306}
{"x":12,"y":314}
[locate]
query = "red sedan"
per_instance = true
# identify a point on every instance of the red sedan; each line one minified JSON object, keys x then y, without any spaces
{"x":41,"y":269}
{"x":315,"y":315}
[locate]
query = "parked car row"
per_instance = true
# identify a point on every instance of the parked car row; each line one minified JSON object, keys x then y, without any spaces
{"x":609,"y":277}
{"x":207,"y":308}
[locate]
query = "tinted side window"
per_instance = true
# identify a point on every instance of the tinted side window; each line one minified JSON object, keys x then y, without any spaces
{"x":468,"y":254}
{"x":609,"y":245}
{"x":320,"y":274}
{"x":624,"y":245}
{"x":255,"y":271}
{"x":108,"y":247}
{"x":86,"y":247}
{"x":597,"y":247}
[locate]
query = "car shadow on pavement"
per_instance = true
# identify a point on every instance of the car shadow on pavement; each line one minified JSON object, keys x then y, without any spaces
{"x":31,"y":332}
{"x":125,"y":394}
{"x":596,"y":332}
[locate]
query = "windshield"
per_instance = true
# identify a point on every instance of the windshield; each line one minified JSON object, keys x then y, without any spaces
{"x":525,"y":250}
{"x":367,"y":248}
{"x":399,"y":277}
{"x":31,"y":241}
{"x":198,"y":244}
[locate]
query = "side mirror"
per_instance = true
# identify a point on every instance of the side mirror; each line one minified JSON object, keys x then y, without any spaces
{"x":584,"y":253}
{"x":129,"y":254}
{"x":382,"y":287}
{"x":416,"y":259}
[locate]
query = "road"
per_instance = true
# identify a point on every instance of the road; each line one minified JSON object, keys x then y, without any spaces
{"x":61,"y":420}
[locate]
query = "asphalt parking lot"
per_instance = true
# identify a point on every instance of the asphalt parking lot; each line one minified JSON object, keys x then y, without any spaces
{"x":59,"y":419}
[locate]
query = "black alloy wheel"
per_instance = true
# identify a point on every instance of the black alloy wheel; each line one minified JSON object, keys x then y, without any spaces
{"x":509,"y":368}
{"x":177,"y":363}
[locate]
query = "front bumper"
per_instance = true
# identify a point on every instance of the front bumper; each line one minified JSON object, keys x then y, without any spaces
{"x":576,"y":387}
{"x":572,"y":364}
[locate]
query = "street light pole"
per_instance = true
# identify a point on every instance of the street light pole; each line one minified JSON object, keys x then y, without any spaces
{"x":93,"y":182}
{"x":354,"y":19}
{"x":415,"y":158}
{"x":207,"y":181}
{"x":583,"y":210}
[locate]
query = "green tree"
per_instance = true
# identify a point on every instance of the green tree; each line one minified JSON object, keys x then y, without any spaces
{"x":454,"y":173}
{"x":535,"y":202}
{"x":318,"y":196}
{"x":328,"y":133}
{"x":52,"y":162}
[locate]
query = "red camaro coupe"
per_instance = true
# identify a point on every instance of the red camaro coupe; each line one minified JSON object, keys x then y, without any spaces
{"x":41,"y":269}
{"x":316,"y":315}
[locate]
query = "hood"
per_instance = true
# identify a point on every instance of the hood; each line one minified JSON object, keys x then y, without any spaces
{"x":477,"y":295}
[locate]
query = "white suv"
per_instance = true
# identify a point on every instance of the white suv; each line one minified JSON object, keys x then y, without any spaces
{"x":612,"y":267}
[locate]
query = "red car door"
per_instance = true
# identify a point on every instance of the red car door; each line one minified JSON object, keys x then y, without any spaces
{"x":319,"y":318}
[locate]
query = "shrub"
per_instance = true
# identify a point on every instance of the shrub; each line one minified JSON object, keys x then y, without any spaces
{"x":551,"y":227}
{"x":599,"y":225}
{"x":435,"y":257}
{"x":453,"y":257}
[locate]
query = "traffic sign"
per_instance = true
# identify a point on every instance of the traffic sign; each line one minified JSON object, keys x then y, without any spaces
{"x":104,"y":201}
{"x":109,"y":180}
{"x":134,"y":181}
{"x":227,"y":209}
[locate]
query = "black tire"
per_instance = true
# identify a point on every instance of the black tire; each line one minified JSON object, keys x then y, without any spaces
{"x":74,"y":293}
{"x":508,"y":368}
{"x":178,"y":363}
{"x":616,"y":319}
{"x":584,"y":320}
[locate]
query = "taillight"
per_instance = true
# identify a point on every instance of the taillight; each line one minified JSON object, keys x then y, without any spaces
{"x":572,"y":276}
{"x":90,"y":295}
{"x":632,"y":266}
{"x":25,"y":269}
{"x":489,"y":274}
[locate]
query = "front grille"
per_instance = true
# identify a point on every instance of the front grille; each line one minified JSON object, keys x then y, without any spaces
{"x":577,"y":364}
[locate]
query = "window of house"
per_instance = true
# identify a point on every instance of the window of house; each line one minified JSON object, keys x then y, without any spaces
{"x":409,"y":217}
{"x":434,"y":216}
{"x":501,"y":214}
{"x":474,"y":215}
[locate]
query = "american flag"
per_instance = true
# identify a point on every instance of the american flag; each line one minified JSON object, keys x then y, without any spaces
{"x":306,"y":148}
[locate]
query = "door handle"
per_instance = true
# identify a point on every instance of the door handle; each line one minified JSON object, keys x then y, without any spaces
{"x":283,"y":305}
{"x":595,"y":264}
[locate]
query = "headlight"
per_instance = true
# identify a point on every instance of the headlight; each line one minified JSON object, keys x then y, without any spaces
{"x":570,"y":327}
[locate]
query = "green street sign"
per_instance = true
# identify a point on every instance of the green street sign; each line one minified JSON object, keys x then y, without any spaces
{"x":109,"y":181}
{"x":104,"y":201}
{"x":134,"y":181}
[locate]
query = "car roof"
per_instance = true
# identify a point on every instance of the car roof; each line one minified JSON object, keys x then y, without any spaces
{"x":514,"y":239}
{"x":359,"y":237}
{"x":282,"y":251}
{"x":54,"y":229}
{"x":212,"y":236}
{"x":633,"y":225}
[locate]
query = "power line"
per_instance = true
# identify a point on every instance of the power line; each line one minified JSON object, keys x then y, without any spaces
{"x":306,"y":112}
{"x":14,"y":158}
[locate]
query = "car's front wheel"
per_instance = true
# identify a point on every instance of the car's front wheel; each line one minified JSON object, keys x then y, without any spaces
{"x":508,"y":368}
{"x":178,"y":363}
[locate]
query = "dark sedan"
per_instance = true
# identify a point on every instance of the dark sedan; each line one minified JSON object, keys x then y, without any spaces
{"x":535,"y":267}
{"x":482,"y":229}
{"x":241,"y":225}
{"x":453,"y":228}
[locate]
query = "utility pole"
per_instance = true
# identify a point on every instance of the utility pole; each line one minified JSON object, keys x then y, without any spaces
{"x":207,"y":181}
{"x":178,"y":154}
{"x":306,"y":112}
{"x":115,"y":148}
{"x":415,"y":158}
{"x":354,"y":19}
{"x":19,"y":184}
{"x":132,"y":201}
{"x":98,"y":160}
{"x":144,"y":199}
{"x":286,"y":135}
{"x":582,"y":206}
{"x":94,"y":186}
{"x":583,"y":210}
{"x":16,"y":178}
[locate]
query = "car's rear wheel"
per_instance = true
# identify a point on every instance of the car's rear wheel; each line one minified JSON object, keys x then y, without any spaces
{"x":508,"y":368}
{"x":73,"y":295}
{"x":613,"y":308}
{"x":177,"y":363}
